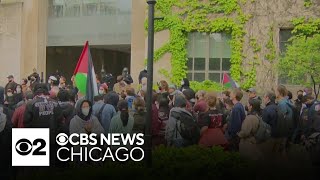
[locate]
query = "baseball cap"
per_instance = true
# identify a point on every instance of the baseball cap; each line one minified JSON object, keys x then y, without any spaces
{"x":172,"y":86}
{"x":252,"y":90}
{"x":53,"y":78}
{"x":10,"y":76}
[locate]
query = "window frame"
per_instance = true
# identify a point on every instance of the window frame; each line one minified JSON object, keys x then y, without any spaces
{"x":207,"y":71}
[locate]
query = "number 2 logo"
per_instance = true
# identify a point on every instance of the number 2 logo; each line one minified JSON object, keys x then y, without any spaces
{"x":24,"y":147}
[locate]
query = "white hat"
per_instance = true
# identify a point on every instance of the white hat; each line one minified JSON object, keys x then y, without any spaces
{"x":53,"y":78}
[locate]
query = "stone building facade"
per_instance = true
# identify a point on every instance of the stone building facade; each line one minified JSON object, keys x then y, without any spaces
{"x":268,"y":18}
{"x":24,"y":38}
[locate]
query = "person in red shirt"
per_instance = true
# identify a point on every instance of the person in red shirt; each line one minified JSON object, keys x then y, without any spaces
{"x":18,"y":115}
{"x":201,"y":105}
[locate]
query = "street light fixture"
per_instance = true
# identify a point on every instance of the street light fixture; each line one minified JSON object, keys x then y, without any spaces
{"x":148,"y":135}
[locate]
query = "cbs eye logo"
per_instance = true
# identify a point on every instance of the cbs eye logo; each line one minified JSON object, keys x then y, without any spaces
{"x":24,"y":147}
{"x":30,"y":147}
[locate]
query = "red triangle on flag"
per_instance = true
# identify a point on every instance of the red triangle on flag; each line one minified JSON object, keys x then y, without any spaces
{"x":82,"y":66}
{"x":226,"y":78}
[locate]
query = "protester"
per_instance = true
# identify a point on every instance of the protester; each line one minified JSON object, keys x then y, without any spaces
{"x":173,"y":134}
{"x":117,"y":86}
{"x":211,"y":124}
{"x":142,"y":74}
{"x":112,"y":98}
{"x":68,"y":111}
{"x":103,"y":89}
{"x":157,"y":139}
{"x":190,"y":97}
{"x":104,"y":113}
{"x":139,"y":116}
{"x":163,"y":88}
{"x":252,"y":94}
{"x":144,"y":82}
{"x":62,"y":82}
{"x":122,"y":122}
{"x":289,"y":96}
{"x":130,"y":96}
{"x":126,"y":76}
{"x":201,"y":105}
{"x":236,"y":119}
{"x":18,"y":115}
{"x":162,"y":104}
{"x":24,"y":85}
{"x":286,"y":108}
{"x":84,"y":122}
{"x":298,"y":101}
{"x":269,"y":114}
{"x":185,"y":84}
{"x":248,"y":145}
{"x":43,"y":112}
{"x":12,"y":85}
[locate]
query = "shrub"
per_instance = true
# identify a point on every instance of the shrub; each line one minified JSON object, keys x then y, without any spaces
{"x":180,"y":163}
{"x":206,"y":85}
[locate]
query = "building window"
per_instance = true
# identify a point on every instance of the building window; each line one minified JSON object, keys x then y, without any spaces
{"x":208,"y":56}
{"x":91,"y":9}
{"x":284,"y":36}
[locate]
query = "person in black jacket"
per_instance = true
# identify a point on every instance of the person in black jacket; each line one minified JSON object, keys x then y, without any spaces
{"x":185,"y":84}
{"x":126,"y":76}
{"x":143,"y":73}
{"x":269,"y":113}
{"x":43,"y":112}
{"x":68,"y":110}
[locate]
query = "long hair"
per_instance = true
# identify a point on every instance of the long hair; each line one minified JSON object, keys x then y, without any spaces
{"x":124,"y":113}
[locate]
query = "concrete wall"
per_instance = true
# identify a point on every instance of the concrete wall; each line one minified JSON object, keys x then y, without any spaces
{"x":23,"y":32}
{"x":10,"y":40}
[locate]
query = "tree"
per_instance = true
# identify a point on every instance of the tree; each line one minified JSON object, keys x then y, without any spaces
{"x":302,"y":61}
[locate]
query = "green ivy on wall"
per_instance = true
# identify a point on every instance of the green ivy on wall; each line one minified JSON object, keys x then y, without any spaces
{"x":271,"y":56}
{"x":305,"y":27}
{"x":307,"y":3}
{"x":183,"y":17}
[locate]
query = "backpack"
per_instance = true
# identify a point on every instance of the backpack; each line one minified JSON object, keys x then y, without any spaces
{"x":99,"y":115}
{"x":263,"y":132}
{"x":284,"y":123}
{"x":188,"y":128}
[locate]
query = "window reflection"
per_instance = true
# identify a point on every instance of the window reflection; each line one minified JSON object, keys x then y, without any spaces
{"x":67,"y":8}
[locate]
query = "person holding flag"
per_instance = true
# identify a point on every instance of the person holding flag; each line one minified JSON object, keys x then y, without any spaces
{"x":85,"y":76}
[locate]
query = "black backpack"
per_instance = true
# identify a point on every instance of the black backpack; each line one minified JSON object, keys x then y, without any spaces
{"x":263,"y":132}
{"x":284,"y":124}
{"x":188,"y":128}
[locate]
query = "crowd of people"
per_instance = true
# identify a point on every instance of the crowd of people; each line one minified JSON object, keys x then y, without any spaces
{"x":180,"y":116}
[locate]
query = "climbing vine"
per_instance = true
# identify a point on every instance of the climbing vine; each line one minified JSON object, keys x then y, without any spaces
{"x":305,"y":27}
{"x":271,"y":56}
{"x":307,"y":3}
{"x":183,"y":17}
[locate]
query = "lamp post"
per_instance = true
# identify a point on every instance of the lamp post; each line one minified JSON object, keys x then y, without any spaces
{"x":148,"y":136}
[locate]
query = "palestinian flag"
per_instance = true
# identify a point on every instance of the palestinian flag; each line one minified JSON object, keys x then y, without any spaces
{"x":85,"y":77}
{"x":228,"y":82}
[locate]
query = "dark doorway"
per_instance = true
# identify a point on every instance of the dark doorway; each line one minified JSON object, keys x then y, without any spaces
{"x":65,"y":58}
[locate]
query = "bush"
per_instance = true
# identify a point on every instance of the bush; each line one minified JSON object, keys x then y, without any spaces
{"x":206,"y":85}
{"x":178,"y":163}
